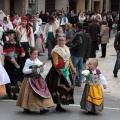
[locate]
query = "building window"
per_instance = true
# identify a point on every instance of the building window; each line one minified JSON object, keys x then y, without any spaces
{"x":32,"y":5}
{"x":72,"y":5}
{"x":1,"y":4}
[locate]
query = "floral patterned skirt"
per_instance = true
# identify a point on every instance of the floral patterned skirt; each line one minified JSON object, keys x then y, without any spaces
{"x":59,"y":88}
{"x":28,"y":99}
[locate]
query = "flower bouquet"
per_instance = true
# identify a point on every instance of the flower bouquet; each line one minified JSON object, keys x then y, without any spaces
{"x":38,"y":63}
{"x":86,"y":73}
{"x":9,"y":52}
{"x":65,"y":70}
{"x":39,"y":66}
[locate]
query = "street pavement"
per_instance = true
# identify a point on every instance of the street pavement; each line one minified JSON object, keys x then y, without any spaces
{"x":9,"y":111}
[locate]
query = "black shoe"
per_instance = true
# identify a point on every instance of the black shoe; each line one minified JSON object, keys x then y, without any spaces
{"x":115,"y":75}
{"x":44,"y":111}
{"x":60,"y":109}
{"x":14,"y":97}
{"x":9,"y":94}
{"x":102,"y":57}
{"x":49,"y":58}
{"x":78,"y":84}
{"x":27,"y":111}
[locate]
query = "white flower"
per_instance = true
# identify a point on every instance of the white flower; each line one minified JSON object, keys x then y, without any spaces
{"x":85,"y":73}
{"x":38,"y":63}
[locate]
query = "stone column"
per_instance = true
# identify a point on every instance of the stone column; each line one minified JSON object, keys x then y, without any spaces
{"x":101,"y":6}
{"x":41,"y":5}
{"x":6,"y":7}
{"x":59,"y":4}
{"x":107,"y":5}
{"x":80,"y":5}
{"x":89,"y":6}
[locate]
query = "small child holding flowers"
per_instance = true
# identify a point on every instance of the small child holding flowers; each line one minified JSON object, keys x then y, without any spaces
{"x":92,"y":98}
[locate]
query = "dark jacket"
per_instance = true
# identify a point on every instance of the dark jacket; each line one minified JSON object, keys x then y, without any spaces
{"x":94,"y":30}
{"x":117,"y":41}
{"x":73,"y":19}
{"x":69,"y":36}
{"x":81,"y":45}
{"x":85,"y":25}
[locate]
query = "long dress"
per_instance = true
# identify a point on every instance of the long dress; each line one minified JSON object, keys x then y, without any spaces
{"x":15,"y":74}
{"x":61,"y":91}
{"x":92,"y":98}
{"x":4,"y":78}
{"x":34,"y":93}
{"x":39,"y":44}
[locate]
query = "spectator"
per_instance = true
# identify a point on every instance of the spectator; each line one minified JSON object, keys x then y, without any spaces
{"x":117,"y":48}
{"x":79,"y":50}
{"x":94,"y":31}
{"x":104,"y":33}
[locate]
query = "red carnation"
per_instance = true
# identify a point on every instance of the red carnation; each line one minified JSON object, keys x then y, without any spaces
{"x":60,"y":65}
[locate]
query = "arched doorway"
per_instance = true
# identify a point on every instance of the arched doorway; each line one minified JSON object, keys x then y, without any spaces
{"x":12,"y":10}
{"x":115,"y":5}
{"x":72,"y":5}
{"x":97,"y":6}
{"x":49,"y":6}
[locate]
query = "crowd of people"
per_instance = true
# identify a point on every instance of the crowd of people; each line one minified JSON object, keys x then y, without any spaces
{"x":71,"y":40}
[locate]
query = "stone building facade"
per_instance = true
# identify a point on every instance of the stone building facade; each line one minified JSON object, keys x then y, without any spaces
{"x":21,"y":6}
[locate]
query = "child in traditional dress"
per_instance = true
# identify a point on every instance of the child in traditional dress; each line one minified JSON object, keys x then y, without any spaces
{"x":34,"y":93}
{"x":15,"y":74}
{"x":39,"y":44}
{"x":92,"y":98}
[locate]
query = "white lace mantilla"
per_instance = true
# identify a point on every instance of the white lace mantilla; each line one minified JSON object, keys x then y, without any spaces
{"x":65,"y":54}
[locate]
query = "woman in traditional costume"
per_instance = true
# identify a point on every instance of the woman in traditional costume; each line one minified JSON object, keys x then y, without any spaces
{"x":40,"y":41}
{"x":13,"y":52}
{"x":50,"y":34}
{"x":92,"y":98}
{"x":26,"y":36}
{"x":34,"y":93}
{"x":4,"y":78}
{"x":59,"y":78}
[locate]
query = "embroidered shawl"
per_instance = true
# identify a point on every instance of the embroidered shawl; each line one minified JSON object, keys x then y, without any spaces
{"x":65,"y":54}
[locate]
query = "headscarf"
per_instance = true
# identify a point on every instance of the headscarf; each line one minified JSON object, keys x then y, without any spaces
{"x":16,"y":37}
{"x":27,"y":26}
{"x":24,"y":18}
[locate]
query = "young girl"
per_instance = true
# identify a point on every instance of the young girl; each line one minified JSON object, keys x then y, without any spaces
{"x":15,"y":74}
{"x":92,"y":98}
{"x":39,"y":44}
{"x":34,"y":93}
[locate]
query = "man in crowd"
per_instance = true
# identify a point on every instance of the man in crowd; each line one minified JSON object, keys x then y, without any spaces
{"x":94,"y":31}
{"x":117,"y":48}
{"x":80,"y":50}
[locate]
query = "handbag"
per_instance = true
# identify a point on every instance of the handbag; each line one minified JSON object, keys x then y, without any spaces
{"x":98,"y":39}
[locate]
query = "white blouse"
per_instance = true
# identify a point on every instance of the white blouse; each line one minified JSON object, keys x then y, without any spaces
{"x":7,"y":26}
{"x":24,"y":37}
{"x":17,"y":22}
{"x":101,"y":77}
{"x":28,"y":63}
